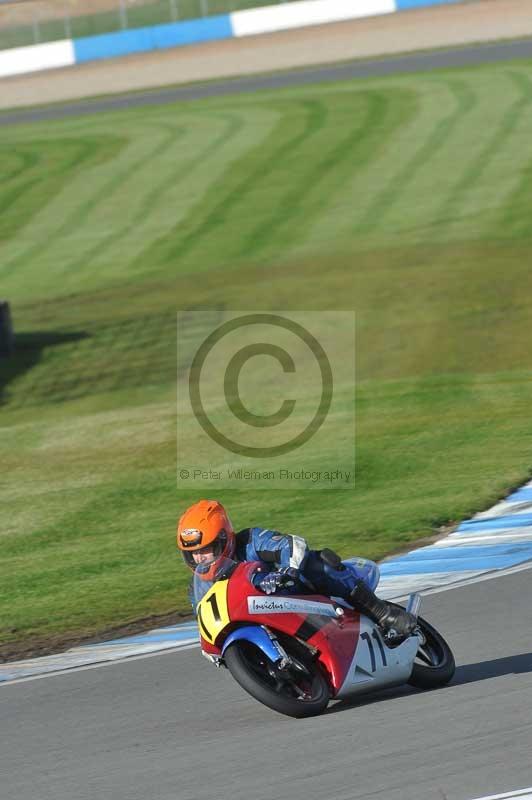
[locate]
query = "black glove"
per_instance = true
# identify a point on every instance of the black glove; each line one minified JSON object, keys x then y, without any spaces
{"x":277,"y":580}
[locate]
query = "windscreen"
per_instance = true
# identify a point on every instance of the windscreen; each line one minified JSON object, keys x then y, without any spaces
{"x":201,"y":586}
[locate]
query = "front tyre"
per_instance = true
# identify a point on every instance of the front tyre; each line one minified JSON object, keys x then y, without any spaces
{"x":434,"y":664}
{"x":299,"y":690}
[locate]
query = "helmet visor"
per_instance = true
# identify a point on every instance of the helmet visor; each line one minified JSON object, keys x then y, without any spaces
{"x":201,"y":559}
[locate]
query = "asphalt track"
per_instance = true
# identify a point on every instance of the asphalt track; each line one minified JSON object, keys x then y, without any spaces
{"x":418,"y":62}
{"x":172,"y":727}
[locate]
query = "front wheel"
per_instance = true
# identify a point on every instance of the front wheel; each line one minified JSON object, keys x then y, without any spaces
{"x":299,"y":690}
{"x":434,"y":664}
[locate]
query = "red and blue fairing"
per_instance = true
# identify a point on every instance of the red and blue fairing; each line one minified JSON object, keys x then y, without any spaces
{"x":234,"y":608}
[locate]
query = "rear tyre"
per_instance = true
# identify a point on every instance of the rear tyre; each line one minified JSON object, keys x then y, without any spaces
{"x":299,"y":691}
{"x":434,"y":664}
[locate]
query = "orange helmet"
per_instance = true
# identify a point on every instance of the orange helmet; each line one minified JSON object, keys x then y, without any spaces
{"x":205,"y":528}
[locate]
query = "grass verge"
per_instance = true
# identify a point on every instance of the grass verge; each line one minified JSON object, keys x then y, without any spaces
{"x":407,"y":199}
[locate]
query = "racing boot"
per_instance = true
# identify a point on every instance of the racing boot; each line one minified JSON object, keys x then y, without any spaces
{"x":396,"y":623}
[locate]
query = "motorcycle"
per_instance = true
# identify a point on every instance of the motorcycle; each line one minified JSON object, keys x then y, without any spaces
{"x":296,"y":652}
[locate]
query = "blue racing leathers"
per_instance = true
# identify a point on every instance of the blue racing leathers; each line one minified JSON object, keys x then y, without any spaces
{"x":279,"y":550}
{"x":285,"y":552}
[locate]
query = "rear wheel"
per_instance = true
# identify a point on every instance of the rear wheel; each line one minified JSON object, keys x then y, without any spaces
{"x":299,"y":690}
{"x":434,"y":664}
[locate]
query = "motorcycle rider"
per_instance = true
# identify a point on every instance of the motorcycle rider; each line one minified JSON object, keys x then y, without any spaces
{"x":206,"y":537}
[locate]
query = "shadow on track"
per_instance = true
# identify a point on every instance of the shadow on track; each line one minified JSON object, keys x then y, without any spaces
{"x":468,"y":673}
{"x":483,"y":670}
{"x":371,"y":698}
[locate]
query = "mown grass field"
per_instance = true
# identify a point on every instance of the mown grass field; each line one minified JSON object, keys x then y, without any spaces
{"x":407,"y":199}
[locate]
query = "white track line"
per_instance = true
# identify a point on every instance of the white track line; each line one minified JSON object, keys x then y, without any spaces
{"x":69,"y":670}
{"x":524,"y":794}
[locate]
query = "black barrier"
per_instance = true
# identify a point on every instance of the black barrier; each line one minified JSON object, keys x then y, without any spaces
{"x":7,"y":337}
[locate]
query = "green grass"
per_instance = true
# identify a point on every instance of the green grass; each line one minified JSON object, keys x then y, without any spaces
{"x":149,"y":13}
{"x":407,"y":199}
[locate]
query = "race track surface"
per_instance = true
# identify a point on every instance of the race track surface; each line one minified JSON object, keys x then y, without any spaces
{"x":418,"y":62}
{"x":175,"y":728}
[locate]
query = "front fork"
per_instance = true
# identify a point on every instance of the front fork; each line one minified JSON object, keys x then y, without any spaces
{"x":414,"y":604}
{"x":413,"y":607}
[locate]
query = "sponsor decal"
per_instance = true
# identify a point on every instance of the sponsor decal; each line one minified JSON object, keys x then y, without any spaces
{"x":288,"y":605}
